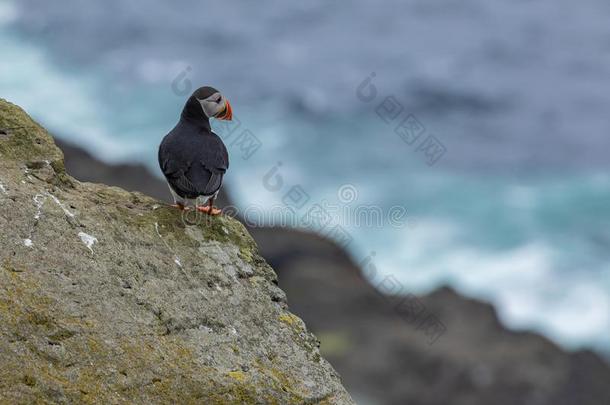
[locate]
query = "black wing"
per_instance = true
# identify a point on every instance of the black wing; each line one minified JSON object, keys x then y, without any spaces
{"x":195,"y":168}
{"x":214,"y":160}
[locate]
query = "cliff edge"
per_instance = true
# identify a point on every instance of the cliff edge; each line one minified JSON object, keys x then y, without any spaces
{"x":108,"y":296}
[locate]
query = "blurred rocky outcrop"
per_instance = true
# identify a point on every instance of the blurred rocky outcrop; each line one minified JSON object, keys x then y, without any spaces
{"x":384,"y":356}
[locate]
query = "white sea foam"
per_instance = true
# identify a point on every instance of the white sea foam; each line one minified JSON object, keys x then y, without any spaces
{"x":523,"y":282}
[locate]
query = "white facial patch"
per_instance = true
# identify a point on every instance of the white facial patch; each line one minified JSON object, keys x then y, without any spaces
{"x":212,"y":105}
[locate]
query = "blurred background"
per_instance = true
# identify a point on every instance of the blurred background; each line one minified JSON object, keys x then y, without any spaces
{"x":476,"y":130}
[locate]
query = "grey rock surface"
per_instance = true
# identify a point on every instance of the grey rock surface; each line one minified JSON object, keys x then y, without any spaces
{"x":108,"y":296}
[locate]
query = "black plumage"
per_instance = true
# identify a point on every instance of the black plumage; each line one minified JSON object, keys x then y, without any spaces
{"x":192,"y":157}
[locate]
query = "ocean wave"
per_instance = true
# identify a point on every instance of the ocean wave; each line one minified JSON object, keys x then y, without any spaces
{"x":523,"y":283}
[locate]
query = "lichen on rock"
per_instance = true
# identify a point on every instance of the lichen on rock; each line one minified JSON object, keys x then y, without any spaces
{"x":115,"y":298}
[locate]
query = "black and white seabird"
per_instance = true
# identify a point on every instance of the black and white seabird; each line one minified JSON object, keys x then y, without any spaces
{"x":192,"y":157}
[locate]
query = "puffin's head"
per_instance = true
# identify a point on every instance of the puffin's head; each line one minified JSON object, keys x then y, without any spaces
{"x":213,"y":103}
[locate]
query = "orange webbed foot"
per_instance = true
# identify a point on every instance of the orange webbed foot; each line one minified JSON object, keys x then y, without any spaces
{"x":209,"y":210}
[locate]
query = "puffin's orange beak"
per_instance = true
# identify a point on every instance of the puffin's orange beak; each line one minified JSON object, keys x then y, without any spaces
{"x":227,"y":113}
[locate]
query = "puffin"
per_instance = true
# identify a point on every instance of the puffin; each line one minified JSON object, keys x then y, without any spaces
{"x":194,"y":159}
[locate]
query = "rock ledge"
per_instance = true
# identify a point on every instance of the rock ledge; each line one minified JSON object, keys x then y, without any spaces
{"x":108,"y":296}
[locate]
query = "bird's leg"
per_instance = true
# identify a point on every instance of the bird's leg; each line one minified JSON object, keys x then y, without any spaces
{"x":178,"y":205}
{"x":210,"y":209}
{"x":178,"y":201}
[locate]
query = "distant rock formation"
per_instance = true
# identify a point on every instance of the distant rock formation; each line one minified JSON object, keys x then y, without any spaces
{"x":108,"y":296}
{"x":377,"y":344}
